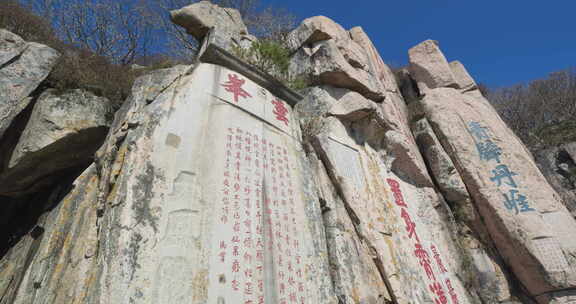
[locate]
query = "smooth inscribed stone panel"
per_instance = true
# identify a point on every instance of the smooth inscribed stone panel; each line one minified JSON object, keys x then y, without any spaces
{"x":348,"y":162}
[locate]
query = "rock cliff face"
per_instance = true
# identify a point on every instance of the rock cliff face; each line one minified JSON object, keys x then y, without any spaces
{"x":216,"y":184}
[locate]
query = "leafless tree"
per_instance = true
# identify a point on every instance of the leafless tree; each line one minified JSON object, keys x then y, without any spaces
{"x":531,"y":107}
{"x":109,"y":28}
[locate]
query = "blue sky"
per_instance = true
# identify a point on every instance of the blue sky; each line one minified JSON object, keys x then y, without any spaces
{"x":500,"y":42}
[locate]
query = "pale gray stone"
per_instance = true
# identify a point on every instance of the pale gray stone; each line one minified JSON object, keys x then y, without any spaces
{"x":330,"y":67}
{"x":378,"y":68}
{"x":224,"y":25}
{"x":11,"y":45}
{"x":530,"y":234}
{"x":20,"y":75}
{"x":429,"y":67}
{"x":63,"y":131}
{"x":315,"y":29}
{"x":464,"y":80}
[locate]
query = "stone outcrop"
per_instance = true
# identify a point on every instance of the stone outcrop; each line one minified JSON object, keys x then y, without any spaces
{"x":23,"y":66}
{"x":63,"y":131}
{"x":429,"y":67}
{"x":223,"y":26}
{"x":558,"y":164}
{"x":217,"y":184}
{"x":327,"y":51}
{"x":523,"y":214}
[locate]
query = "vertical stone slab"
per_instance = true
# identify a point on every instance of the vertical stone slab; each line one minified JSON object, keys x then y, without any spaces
{"x":523,"y":214}
{"x":217,"y":200}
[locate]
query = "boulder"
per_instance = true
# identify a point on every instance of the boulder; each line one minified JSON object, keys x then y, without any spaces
{"x":63,"y":131}
{"x":350,"y":106}
{"x":464,"y":80}
{"x":313,"y":30}
{"x":429,"y":67}
{"x":330,"y":67}
{"x":24,"y":66}
{"x":11,"y":45}
{"x":224,"y":25}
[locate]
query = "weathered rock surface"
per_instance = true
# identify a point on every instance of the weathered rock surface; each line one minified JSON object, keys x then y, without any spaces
{"x":11,"y":45}
{"x":315,"y":29}
{"x":327,"y":51}
{"x":464,"y":80}
{"x":63,"y":131}
{"x":558,"y":164}
{"x":23,"y":66}
{"x":429,"y":67}
{"x":202,"y":18}
{"x":210,"y":188}
{"x":522,"y":212}
{"x":375,"y":62}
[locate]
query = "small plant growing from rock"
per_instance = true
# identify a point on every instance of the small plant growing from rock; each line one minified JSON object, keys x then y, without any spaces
{"x":272,"y":57}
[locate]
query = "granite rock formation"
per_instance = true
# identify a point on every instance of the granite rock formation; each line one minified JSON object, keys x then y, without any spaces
{"x":217,"y":184}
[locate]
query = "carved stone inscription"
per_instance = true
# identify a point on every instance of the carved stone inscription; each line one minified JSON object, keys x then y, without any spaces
{"x":348,"y":163}
{"x":259,"y":256}
{"x":550,"y":253}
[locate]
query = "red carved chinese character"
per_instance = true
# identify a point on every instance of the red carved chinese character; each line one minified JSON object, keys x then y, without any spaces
{"x":248,"y":273}
{"x":248,"y":258}
{"x":293,"y":298}
{"x":410,"y":225}
{"x":395,"y":186}
{"x":235,"y":266}
{"x":234,"y":86}
{"x":248,"y":289}
{"x":424,"y":258}
{"x":235,"y":285}
{"x":280,"y":111}
{"x":437,"y":289}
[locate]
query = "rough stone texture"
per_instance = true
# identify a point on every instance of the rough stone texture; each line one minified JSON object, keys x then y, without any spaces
{"x":315,"y":29}
{"x":23,"y":66}
{"x":490,"y":279}
{"x":149,"y":233}
{"x":11,"y":45}
{"x":429,"y":67}
{"x":332,"y":56}
{"x":209,"y":188}
{"x":224,"y":25}
{"x":558,"y":164}
{"x":464,"y":80}
{"x":533,"y":238}
{"x":381,"y":71}
{"x":331,"y":67}
{"x":356,"y":154}
{"x":63,"y":131}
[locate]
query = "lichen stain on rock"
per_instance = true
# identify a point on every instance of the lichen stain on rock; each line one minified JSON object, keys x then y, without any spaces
{"x":133,"y":251}
{"x":143,"y":191}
